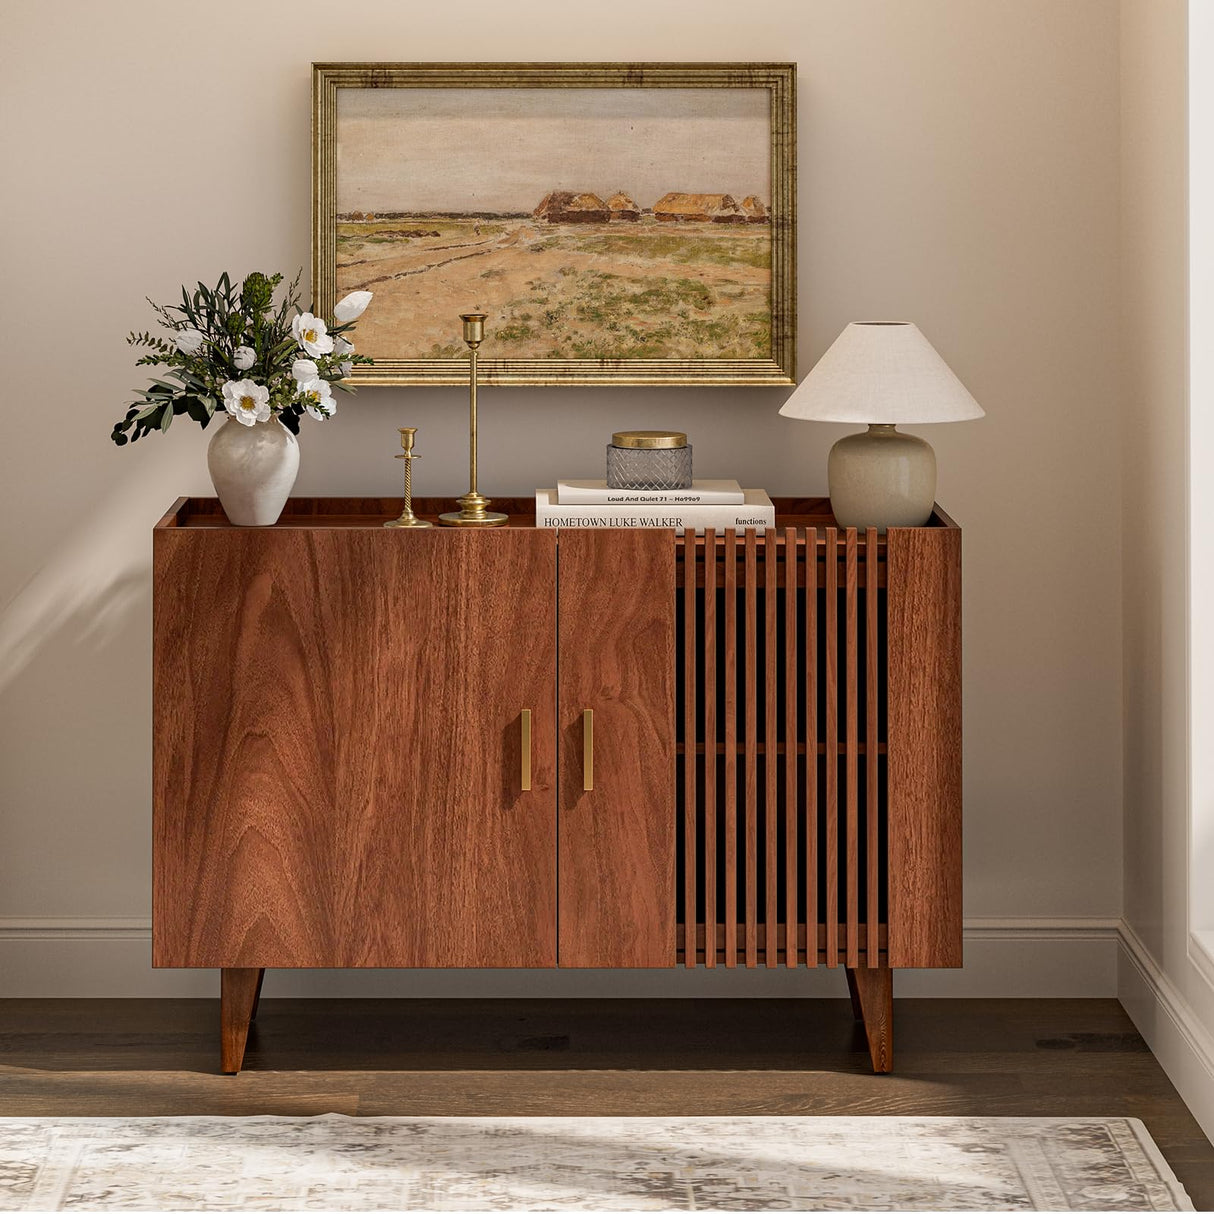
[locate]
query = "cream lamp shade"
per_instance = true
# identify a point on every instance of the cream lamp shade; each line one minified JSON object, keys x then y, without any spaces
{"x":882,"y":374}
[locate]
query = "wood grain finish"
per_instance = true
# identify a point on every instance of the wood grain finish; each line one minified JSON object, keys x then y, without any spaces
{"x":872,"y":990}
{"x":872,"y":801}
{"x":305,"y":703}
{"x":831,"y":674}
{"x":336,"y":768}
{"x":771,"y":760}
{"x":804,"y":940}
{"x":792,"y":675}
{"x":803,"y":613}
{"x":239,"y":991}
{"x":690,"y":758}
{"x":810,"y":810}
{"x":617,"y":842}
{"x":924,"y":772}
{"x":851,"y":754}
{"x":750,"y":591}
{"x":730,"y":675}
{"x":710,"y":734}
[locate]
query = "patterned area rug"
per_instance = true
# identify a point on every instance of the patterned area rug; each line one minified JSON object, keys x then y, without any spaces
{"x":578,"y":1163}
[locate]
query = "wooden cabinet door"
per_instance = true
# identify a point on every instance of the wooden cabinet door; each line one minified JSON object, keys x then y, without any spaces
{"x":616,"y":660}
{"x":337,"y":753}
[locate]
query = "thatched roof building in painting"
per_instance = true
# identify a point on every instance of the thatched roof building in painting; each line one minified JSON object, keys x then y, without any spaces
{"x":754,"y":210}
{"x":564,"y":206}
{"x":698,"y":208}
{"x":622,"y":207}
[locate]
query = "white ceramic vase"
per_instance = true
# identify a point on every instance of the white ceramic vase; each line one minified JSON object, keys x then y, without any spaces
{"x":253,"y":469}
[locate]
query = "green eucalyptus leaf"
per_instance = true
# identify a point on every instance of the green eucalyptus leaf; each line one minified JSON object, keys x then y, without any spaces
{"x":197,"y":410}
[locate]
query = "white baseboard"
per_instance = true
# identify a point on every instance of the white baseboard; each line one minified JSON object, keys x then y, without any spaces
{"x":1168,"y":1024}
{"x":1004,"y":958}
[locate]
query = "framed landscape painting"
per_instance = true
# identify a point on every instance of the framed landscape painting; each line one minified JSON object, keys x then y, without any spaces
{"x":617,"y":223}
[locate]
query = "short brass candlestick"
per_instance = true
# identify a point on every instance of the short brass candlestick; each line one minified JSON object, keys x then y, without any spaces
{"x":407,"y":517}
{"x":473,"y":510}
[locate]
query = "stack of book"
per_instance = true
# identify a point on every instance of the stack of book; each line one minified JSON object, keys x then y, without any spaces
{"x":720,"y":505}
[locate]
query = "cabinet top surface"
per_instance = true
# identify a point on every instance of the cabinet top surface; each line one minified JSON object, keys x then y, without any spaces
{"x":373,"y":512}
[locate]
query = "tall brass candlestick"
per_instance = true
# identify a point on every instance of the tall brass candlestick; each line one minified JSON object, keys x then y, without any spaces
{"x":473,"y":510}
{"x":407,"y":517}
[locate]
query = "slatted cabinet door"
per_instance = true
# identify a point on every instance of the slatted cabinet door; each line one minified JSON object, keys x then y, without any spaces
{"x":617,"y":762}
{"x":338,"y":763}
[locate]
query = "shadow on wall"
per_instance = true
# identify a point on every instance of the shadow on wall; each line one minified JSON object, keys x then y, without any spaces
{"x":84,"y":621}
{"x":75,"y":717}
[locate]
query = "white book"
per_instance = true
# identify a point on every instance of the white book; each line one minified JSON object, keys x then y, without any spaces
{"x":701,"y":493}
{"x":756,"y":511}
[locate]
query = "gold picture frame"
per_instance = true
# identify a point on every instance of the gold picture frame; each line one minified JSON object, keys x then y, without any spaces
{"x":682,"y":275}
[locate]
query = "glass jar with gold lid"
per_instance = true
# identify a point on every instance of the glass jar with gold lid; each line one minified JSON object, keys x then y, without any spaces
{"x":649,"y":460}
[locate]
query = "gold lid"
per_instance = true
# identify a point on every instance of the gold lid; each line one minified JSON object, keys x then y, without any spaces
{"x":648,"y":439}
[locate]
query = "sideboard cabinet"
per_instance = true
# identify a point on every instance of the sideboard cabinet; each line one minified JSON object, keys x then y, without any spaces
{"x":537,"y":748}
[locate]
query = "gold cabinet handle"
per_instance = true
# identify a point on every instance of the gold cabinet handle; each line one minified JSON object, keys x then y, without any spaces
{"x":588,"y":750}
{"x":526,"y":748}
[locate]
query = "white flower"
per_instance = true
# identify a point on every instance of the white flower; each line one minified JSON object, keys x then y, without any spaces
{"x":317,"y":397}
{"x":246,"y":401}
{"x":341,"y":346}
{"x":351,"y":307}
{"x":190,"y":341}
{"x":244,"y":357}
{"x":344,"y":369}
{"x":310,"y":332}
{"x":304,"y":369}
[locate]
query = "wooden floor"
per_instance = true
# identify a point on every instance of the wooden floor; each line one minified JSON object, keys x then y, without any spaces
{"x":1010,"y":1057}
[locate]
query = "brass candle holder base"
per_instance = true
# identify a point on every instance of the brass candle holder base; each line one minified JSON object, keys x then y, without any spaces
{"x":473,"y":513}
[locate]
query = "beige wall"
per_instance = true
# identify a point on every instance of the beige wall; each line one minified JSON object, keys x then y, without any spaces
{"x":959,"y":167}
{"x":1167,"y":984}
{"x":1154,"y":275}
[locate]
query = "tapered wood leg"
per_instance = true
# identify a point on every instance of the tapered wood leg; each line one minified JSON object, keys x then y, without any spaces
{"x":872,"y":990}
{"x":238,"y":990}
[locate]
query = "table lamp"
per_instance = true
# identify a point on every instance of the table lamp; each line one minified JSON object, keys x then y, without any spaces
{"x":884,"y":374}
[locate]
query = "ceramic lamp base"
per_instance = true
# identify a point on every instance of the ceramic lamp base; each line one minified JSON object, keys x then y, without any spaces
{"x":881,"y":478}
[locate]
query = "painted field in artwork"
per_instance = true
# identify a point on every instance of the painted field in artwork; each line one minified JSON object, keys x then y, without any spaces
{"x":561,"y":290}
{"x":587,"y":223}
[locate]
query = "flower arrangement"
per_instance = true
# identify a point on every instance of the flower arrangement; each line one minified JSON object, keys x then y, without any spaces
{"x":233,"y":349}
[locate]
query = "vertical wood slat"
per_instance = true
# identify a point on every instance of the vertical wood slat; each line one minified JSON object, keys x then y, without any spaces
{"x":771,"y":762}
{"x":851,"y":661}
{"x":791,"y":579}
{"x":872,"y":798}
{"x":690,"y":759}
{"x":751,"y":758}
{"x":810,"y":833}
{"x":731,"y":747}
{"x":831,"y":674}
{"x":710,"y":749}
